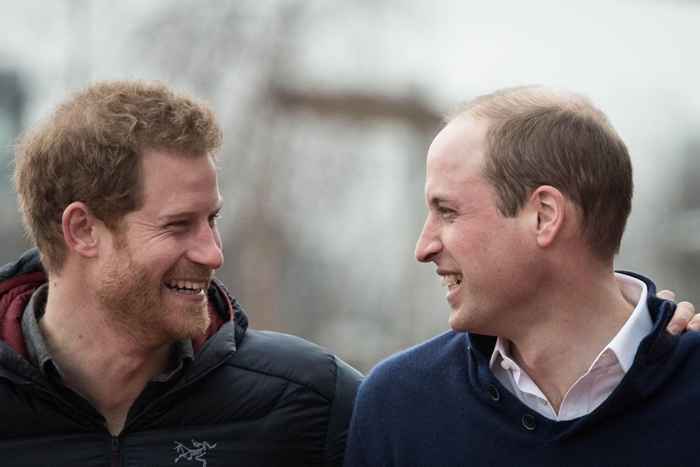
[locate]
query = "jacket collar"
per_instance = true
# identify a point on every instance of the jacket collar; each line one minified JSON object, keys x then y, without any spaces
{"x":19,"y":279}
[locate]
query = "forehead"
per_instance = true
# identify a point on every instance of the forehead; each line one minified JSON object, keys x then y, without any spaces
{"x":456,"y":155}
{"x":171,"y":180}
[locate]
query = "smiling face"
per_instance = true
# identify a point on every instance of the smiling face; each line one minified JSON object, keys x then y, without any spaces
{"x":157,"y":268}
{"x":486,"y":261}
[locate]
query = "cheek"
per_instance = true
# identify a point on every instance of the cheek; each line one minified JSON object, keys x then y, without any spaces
{"x":471,"y":243}
{"x":485,"y":255}
{"x":162,"y":259}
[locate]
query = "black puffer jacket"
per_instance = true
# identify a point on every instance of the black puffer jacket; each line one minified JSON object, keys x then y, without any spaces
{"x":250,"y":398}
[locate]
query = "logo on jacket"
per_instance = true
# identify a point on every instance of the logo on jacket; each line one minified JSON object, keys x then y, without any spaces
{"x":197,"y":452}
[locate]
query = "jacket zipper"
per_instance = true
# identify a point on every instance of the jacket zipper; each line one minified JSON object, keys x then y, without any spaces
{"x":116,"y":452}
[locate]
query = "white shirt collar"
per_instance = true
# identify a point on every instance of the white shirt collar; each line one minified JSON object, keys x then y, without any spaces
{"x":604,"y":374}
{"x":623,"y":345}
{"x":637,"y":326}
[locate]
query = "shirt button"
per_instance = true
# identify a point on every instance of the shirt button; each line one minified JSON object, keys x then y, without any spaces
{"x":528,"y":421}
{"x":493,"y":393}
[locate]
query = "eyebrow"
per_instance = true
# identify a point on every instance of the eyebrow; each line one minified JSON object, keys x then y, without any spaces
{"x":185,"y":214}
{"x":435,"y":201}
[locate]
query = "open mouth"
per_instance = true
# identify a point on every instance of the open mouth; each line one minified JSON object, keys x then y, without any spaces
{"x":451,"y":280}
{"x":187,"y":287}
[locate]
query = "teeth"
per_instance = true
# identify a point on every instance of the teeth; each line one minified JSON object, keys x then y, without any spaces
{"x":451,"y":280}
{"x":187,"y":286}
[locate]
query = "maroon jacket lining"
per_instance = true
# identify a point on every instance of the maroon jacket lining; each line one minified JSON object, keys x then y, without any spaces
{"x":16,"y":292}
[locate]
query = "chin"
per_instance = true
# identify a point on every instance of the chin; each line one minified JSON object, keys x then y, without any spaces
{"x":458,"y":323}
{"x":469,"y":320}
{"x":191,"y":324}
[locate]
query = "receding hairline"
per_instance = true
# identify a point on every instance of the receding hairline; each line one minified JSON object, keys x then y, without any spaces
{"x":507,"y":102}
{"x":542,"y":135}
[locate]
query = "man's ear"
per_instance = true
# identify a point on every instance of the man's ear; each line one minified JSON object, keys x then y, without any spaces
{"x":79,"y":229}
{"x":549,"y":204}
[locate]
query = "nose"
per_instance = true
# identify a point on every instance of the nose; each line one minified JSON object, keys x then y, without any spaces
{"x":428,"y":244}
{"x":206,"y":248}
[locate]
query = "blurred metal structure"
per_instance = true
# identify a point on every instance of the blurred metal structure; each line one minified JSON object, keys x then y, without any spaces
{"x":285,"y":141}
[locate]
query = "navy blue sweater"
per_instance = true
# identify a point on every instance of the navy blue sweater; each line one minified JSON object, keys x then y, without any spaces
{"x":438,"y":404}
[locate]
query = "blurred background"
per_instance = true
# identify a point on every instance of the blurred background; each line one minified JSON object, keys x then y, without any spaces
{"x":328,"y":108}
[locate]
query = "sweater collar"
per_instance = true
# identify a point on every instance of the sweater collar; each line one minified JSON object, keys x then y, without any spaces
{"x":652,"y":348}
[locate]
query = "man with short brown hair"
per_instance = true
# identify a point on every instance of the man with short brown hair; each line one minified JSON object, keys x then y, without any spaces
{"x":118,"y":346}
{"x":554,"y":359}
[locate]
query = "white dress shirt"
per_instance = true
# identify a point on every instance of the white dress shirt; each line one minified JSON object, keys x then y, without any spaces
{"x":604,"y":374}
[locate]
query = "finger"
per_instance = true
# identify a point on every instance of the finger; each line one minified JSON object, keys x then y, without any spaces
{"x":694,"y":323}
{"x":667,"y":295}
{"x":681,"y":318}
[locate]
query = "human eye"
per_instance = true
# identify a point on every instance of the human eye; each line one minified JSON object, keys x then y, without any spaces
{"x":177,"y":225}
{"x":446,"y":213}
